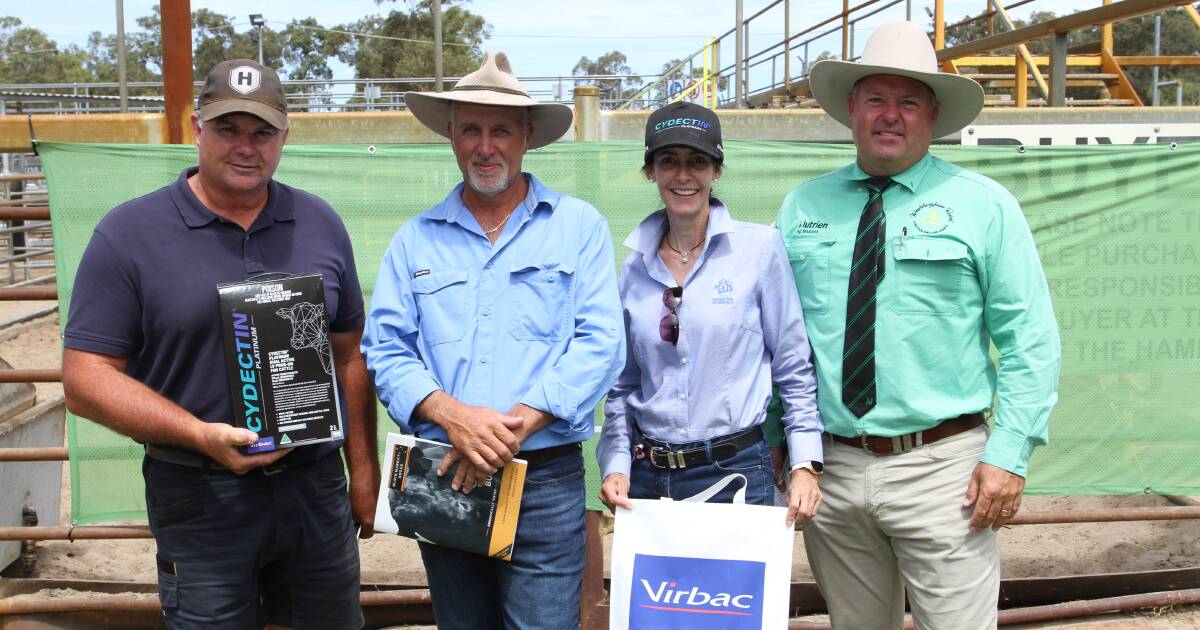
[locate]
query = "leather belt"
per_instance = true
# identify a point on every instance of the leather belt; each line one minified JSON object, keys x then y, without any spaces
{"x":662,"y":456}
{"x":910,"y":441}
{"x":195,"y":460}
{"x":543,"y":455}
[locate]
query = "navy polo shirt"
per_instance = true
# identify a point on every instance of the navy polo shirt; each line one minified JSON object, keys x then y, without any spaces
{"x":146,"y":288}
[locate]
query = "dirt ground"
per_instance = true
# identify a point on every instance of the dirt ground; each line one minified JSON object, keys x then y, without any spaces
{"x":1027,"y":551}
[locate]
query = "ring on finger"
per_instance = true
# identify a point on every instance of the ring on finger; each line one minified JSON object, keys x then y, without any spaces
{"x":1006,"y":512}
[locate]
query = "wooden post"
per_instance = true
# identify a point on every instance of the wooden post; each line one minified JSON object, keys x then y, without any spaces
{"x":1021,"y":86}
{"x":1106,"y":34}
{"x":177,"y":70}
{"x":593,"y":613}
{"x":939,"y":25}
{"x":846,"y":29}
{"x":587,"y":113}
{"x":1058,"y":70}
{"x":787,"y":45}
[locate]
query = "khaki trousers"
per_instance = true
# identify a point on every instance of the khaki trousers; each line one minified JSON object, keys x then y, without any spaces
{"x":892,"y":524}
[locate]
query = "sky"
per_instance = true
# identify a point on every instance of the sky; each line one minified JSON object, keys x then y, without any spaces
{"x":541,"y":37}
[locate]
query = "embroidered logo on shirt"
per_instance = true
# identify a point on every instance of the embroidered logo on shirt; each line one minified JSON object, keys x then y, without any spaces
{"x":723,"y":291}
{"x":810,"y":227}
{"x":932,"y":218}
{"x":422,"y":272}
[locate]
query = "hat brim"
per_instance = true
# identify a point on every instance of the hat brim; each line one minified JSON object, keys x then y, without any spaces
{"x":550,"y":120}
{"x":274,"y":117}
{"x":959,"y":99}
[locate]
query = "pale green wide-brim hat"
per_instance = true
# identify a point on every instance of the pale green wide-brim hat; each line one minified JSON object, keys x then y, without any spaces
{"x":492,"y":84}
{"x":903,"y":49}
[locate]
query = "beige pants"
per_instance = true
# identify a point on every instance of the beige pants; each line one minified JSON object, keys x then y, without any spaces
{"x":893,"y":524}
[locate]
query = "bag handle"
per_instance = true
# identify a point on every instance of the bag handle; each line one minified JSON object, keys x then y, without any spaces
{"x":739,"y":497}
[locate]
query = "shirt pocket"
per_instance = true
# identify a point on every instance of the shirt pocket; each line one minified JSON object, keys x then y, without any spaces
{"x":540,"y":309}
{"x":442,"y":303}
{"x":928,"y":275}
{"x":812,"y":264}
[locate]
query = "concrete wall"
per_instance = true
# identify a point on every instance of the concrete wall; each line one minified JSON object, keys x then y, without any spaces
{"x":38,"y":484}
{"x":801,"y":125}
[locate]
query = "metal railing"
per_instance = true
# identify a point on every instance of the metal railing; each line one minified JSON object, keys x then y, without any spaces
{"x":309,"y":95}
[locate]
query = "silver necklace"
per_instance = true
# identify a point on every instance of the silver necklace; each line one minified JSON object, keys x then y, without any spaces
{"x":685,"y":255}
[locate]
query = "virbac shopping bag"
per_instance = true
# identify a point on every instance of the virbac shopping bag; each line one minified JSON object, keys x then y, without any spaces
{"x":690,"y":565}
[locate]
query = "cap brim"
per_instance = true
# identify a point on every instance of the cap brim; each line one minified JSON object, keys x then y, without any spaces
{"x":959,"y":99}
{"x":274,"y":117}
{"x":551,"y":121}
{"x":706,"y":150}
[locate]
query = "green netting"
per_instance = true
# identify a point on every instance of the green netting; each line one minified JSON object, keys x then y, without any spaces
{"x":1117,"y":227}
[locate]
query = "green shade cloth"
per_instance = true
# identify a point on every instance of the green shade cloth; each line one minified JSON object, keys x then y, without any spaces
{"x":1118,"y":229}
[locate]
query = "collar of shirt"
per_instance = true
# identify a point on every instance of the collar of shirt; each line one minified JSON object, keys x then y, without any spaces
{"x":648,"y":234}
{"x":195,"y":214}
{"x":910,"y":178}
{"x":453,"y":210}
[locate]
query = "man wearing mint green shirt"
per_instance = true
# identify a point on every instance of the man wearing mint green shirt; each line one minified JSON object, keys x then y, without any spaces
{"x":909,"y":268}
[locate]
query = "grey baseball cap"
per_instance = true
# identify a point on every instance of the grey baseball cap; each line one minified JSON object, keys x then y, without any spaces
{"x":245,"y":86}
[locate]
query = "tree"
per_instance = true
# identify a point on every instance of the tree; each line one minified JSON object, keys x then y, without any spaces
{"x":611,"y":63}
{"x":27,"y":55}
{"x":1179,"y":37}
{"x":409,"y":52}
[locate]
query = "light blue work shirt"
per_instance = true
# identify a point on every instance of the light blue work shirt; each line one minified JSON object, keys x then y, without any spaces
{"x":534,"y":319}
{"x":961,"y":270}
{"x":740,"y":327}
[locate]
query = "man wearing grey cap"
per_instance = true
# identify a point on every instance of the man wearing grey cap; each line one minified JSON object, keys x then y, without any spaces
{"x":243,"y":540}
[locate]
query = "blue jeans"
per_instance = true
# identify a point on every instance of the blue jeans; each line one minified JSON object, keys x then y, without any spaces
{"x":539,"y":588}
{"x":238,"y":551}
{"x":649,"y":482}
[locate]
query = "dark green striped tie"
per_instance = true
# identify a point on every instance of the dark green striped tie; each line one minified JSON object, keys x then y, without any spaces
{"x":858,"y":356}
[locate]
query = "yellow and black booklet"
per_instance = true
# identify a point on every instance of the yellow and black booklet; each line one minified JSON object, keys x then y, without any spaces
{"x":415,"y":502}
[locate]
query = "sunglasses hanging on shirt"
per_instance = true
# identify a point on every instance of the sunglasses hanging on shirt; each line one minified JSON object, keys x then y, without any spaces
{"x":668,"y":326}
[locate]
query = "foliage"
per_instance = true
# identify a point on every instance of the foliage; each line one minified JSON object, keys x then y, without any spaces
{"x":27,"y":55}
{"x":611,"y":90}
{"x":463,"y":33}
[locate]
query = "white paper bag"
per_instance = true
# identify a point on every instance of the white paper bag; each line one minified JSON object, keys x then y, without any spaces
{"x":689,"y":565}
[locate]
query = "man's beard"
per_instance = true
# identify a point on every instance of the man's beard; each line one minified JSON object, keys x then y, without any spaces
{"x":489,"y":185}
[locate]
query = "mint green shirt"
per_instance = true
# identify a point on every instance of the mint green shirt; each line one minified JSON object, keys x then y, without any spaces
{"x":961,"y":270}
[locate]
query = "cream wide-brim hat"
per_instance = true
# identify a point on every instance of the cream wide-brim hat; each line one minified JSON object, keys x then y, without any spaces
{"x":902,"y":49}
{"x":492,"y":84}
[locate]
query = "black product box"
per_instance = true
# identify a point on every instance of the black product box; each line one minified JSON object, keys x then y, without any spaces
{"x":280,"y":362}
{"x":415,"y":502}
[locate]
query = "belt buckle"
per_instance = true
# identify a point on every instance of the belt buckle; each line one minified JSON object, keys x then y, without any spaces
{"x":904,"y":443}
{"x":274,"y":468}
{"x":674,"y":458}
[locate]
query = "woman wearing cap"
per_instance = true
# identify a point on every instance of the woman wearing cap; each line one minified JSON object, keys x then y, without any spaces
{"x":712,"y":319}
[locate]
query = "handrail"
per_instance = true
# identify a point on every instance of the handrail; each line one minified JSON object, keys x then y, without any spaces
{"x":1023,"y":50}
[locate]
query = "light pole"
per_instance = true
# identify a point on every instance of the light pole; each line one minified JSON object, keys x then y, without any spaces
{"x":256,"y":19}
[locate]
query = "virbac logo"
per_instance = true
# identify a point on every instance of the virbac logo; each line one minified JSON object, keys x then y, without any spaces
{"x":673,"y":593}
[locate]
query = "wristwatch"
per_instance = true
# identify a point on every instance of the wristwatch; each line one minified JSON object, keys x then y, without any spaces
{"x":813,"y":467}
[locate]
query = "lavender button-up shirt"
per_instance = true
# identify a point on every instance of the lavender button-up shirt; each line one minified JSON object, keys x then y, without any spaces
{"x":740,"y":328}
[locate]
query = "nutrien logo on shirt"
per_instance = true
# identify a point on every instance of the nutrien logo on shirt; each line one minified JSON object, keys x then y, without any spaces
{"x":810,"y":227}
{"x":698,"y":593}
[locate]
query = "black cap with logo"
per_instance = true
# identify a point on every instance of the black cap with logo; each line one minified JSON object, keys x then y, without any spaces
{"x":245,"y":86}
{"x":684,"y":124}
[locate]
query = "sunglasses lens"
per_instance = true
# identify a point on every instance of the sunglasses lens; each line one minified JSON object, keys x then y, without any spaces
{"x":672,"y":297}
{"x":668,"y":328}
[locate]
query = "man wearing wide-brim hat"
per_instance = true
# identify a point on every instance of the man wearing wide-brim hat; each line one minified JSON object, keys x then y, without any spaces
{"x":496,"y":326}
{"x":907,"y":267}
